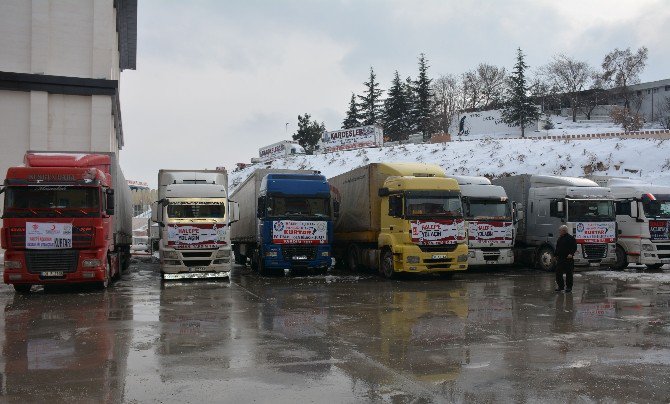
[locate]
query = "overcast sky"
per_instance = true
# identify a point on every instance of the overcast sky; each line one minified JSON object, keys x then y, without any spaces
{"x":216,"y":80}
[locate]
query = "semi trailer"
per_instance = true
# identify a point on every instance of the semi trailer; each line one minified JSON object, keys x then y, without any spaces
{"x":67,"y":219}
{"x":193,"y":213}
{"x":285,"y":222}
{"x":544,"y":203}
{"x":399,"y":218}
{"x":489,"y":221}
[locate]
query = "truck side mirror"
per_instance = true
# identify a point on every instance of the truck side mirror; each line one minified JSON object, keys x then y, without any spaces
{"x":260,"y":213}
{"x":336,"y":209}
{"x":635,"y":211}
{"x":157,"y":213}
{"x":110,"y":202}
{"x":233,"y":211}
{"x":560,"y":206}
{"x":383,"y":192}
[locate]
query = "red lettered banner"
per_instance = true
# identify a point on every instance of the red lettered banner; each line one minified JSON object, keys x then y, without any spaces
{"x":659,"y":229}
{"x":436,"y":232}
{"x":299,"y":232}
{"x":595,"y":232}
{"x":489,"y":232}
{"x":186,"y":236}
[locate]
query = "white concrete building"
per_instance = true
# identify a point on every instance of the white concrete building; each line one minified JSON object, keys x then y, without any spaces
{"x":60,"y":64}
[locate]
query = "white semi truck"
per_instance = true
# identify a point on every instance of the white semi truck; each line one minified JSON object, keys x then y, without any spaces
{"x":194,"y":216}
{"x":643,"y":221}
{"x":489,"y":220}
{"x":545,"y":202}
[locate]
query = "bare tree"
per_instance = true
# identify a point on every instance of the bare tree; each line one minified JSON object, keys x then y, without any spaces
{"x":471,"y":87}
{"x":492,"y":80}
{"x":594,"y":96}
{"x":447,"y":101}
{"x":622,"y":69}
{"x":570,"y":77}
{"x":663,"y":111}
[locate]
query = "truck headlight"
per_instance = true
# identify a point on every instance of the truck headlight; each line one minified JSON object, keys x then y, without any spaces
{"x":271,"y":253}
{"x":222,"y":254}
{"x":325,"y":253}
{"x":170,"y":255}
{"x":91,"y":263}
{"x":612,"y":248}
{"x":472,"y":254}
{"x":462,"y":258}
{"x":413,"y":259}
{"x":647,"y":247}
{"x":13,"y":265}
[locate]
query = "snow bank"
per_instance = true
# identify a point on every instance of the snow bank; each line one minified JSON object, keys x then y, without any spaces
{"x":636,"y":158}
{"x":661,"y":277}
{"x":144,"y":215}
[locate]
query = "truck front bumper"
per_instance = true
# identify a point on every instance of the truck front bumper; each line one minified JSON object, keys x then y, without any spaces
{"x":411,"y":259}
{"x":17,"y":272}
{"x":582,"y":259}
{"x":196,"y":264}
{"x":500,"y":256}
{"x":309,"y":258}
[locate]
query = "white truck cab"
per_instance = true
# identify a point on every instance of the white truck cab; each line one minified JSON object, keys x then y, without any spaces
{"x":489,"y":221}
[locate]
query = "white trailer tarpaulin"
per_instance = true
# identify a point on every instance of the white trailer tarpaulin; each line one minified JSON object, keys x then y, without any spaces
{"x":299,"y":232}
{"x":595,"y":232}
{"x":40,"y":236}
{"x":354,"y":138}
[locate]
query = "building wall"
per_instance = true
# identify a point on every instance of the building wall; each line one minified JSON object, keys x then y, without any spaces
{"x":65,"y":38}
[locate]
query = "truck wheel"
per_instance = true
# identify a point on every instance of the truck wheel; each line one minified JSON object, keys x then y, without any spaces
{"x":654,"y":267}
{"x":352,"y":257}
{"x":386,"y":264}
{"x":546,"y":259}
{"x":240,"y":259}
{"x":621,"y":259}
{"x":22,"y":289}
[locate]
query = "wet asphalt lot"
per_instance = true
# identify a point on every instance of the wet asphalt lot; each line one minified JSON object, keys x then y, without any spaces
{"x":479,"y":337}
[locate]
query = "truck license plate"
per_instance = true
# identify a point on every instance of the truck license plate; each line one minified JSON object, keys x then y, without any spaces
{"x":300,"y":257}
{"x":52,"y":274}
{"x":490,"y":262}
{"x":665,"y":260}
{"x":198,"y":269}
{"x":439,"y":257}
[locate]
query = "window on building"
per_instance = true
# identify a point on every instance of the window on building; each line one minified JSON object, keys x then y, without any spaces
{"x":667,"y":88}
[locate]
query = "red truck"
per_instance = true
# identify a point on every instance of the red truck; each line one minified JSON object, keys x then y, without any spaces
{"x":67,"y":219}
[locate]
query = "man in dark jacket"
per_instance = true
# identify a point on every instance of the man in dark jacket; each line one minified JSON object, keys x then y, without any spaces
{"x":566,"y":246}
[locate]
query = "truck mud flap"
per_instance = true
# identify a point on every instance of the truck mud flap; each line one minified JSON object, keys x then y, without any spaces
{"x":196,"y":275}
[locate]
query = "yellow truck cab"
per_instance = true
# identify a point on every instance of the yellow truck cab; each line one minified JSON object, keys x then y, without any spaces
{"x":399,"y":217}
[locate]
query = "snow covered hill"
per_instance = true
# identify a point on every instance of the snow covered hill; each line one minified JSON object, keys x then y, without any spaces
{"x":635,"y":158}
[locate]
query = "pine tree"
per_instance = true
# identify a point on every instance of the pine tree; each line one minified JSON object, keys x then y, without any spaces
{"x":410,"y":96}
{"x":309,"y":132}
{"x":351,"y":120}
{"x":370,"y":106}
{"x":519,"y":109}
{"x":423,"y":99}
{"x":396,"y":111}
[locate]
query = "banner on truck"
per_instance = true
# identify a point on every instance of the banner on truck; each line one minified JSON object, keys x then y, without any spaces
{"x":42,"y":236}
{"x":490,"y":232}
{"x":354,"y":138}
{"x":435,"y":232}
{"x":196,"y":235}
{"x":595,"y":232}
{"x":299,"y":232}
{"x":659,"y":229}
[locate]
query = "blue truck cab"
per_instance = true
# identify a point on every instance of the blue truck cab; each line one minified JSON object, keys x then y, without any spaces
{"x":294,"y":223}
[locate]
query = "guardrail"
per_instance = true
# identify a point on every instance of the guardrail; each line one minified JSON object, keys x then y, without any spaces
{"x":643,"y":134}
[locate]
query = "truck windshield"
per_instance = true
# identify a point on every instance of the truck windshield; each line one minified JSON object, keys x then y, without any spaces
{"x":491,"y":209}
{"x":196,"y":210}
{"x":590,"y":211}
{"x":52,"y":201}
{"x":419,"y":204}
{"x":290,"y":206}
{"x":660,"y":208}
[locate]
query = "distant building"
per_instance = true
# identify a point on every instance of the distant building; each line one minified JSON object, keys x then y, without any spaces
{"x":652,"y":94}
{"x":60,"y":64}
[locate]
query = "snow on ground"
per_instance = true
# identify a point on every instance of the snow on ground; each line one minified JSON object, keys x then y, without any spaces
{"x":661,"y":277}
{"x":647,"y":159}
{"x":144,"y":215}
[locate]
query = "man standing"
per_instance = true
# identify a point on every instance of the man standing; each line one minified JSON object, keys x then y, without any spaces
{"x":566,"y":246}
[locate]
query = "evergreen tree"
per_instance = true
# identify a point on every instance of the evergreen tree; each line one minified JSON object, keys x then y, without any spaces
{"x":396,"y":111}
{"x":410,"y":96}
{"x":370,"y":106}
{"x":309,"y":132}
{"x":423,"y":99}
{"x":519,"y":109}
{"x":351,"y":120}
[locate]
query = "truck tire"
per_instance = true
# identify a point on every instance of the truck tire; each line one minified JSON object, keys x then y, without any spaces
{"x":386,"y":266}
{"x":621,"y":259}
{"x":654,"y":267}
{"x":353,"y":260}
{"x":240,"y":259}
{"x":22,"y":288}
{"x":546,"y":259}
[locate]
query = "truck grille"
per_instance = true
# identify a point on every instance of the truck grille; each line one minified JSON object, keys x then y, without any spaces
{"x":196,"y":254}
{"x":52,"y":260}
{"x":197,"y":263}
{"x":290,"y":251}
{"x":663,"y":247}
{"x":594,"y":251}
{"x":82,"y":237}
{"x":438,"y":248}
